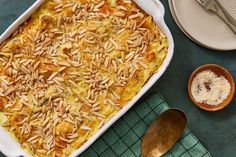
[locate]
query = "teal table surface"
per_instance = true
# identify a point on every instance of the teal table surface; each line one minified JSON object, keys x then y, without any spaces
{"x":214,"y":129}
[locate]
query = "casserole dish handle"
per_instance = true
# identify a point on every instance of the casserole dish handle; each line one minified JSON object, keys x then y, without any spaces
{"x":154,"y":8}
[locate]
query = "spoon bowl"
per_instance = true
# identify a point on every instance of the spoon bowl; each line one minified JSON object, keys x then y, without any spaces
{"x":163,"y":133}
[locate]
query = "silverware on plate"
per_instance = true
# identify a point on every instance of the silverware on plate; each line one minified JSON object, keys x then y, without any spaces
{"x":216,"y":7}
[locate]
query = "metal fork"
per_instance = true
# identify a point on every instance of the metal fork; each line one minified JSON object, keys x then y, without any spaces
{"x":214,"y":6}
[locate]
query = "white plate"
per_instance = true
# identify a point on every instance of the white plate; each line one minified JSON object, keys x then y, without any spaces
{"x":179,"y":25}
{"x":206,"y":28}
{"x":176,"y":20}
{"x":11,"y":148}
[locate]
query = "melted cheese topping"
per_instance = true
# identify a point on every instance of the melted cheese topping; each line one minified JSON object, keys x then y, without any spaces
{"x":71,"y":67}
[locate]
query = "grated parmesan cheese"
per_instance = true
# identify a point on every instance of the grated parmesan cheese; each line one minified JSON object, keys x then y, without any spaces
{"x":209,"y":88}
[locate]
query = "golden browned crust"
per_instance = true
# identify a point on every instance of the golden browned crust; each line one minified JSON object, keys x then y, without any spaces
{"x":71,"y":67}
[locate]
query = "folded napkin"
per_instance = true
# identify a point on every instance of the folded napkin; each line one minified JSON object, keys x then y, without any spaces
{"x":123,"y":139}
{"x":229,"y":6}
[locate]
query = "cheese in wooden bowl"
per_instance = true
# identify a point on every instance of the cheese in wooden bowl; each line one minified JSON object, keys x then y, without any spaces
{"x":211,"y":87}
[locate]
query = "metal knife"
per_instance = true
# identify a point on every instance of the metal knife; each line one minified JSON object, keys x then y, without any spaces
{"x":214,"y":6}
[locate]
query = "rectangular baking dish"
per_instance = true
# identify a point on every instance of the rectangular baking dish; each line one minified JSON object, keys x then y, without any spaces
{"x":11,"y":148}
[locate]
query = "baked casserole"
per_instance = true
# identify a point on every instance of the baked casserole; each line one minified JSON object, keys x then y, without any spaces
{"x":71,"y":67}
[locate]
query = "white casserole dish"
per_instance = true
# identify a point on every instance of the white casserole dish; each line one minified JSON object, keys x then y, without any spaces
{"x":11,"y":148}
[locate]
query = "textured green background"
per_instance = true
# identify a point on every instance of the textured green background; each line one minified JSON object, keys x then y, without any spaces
{"x":217,"y":131}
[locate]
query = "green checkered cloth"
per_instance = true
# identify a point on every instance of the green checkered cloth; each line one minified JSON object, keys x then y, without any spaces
{"x":123,"y":139}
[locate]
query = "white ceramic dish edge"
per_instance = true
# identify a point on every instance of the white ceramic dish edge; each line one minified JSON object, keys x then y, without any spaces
{"x":11,"y":148}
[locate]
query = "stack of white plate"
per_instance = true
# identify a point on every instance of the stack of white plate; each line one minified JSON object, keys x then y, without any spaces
{"x":201,"y":26}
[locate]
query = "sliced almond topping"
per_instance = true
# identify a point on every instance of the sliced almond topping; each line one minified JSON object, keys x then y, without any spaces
{"x":52,"y":76}
{"x":120,"y":31}
{"x":96,"y":8}
{"x":113,"y":42}
{"x":86,"y":128}
{"x":32,"y":138}
{"x":135,"y":16}
{"x":98,"y":114}
{"x":74,"y":7}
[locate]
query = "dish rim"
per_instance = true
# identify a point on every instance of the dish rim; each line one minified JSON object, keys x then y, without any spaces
{"x":158,"y":16}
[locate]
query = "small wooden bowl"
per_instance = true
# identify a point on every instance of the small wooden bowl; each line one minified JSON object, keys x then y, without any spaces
{"x":220,"y":71}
